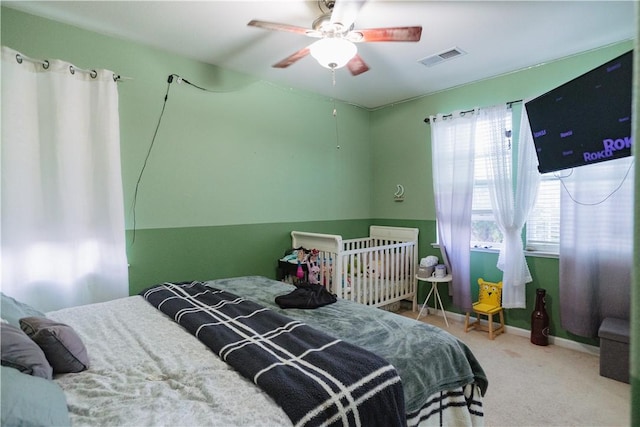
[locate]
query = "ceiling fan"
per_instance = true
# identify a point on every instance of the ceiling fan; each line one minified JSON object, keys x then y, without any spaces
{"x":335,"y":31}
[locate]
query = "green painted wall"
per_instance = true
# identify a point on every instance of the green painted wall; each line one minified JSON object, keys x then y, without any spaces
{"x":401,"y":154}
{"x":253,"y":153}
{"x":231,"y":173}
{"x":205,"y":253}
{"x":401,"y":141}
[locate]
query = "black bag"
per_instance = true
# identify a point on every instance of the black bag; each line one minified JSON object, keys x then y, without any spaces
{"x":306,"y":295}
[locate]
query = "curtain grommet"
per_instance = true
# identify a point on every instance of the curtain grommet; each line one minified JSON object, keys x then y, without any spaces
{"x":18,"y":58}
{"x":72,"y":70}
{"x":93,"y":74}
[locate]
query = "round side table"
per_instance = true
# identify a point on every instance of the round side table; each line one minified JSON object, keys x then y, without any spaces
{"x":436,"y":296}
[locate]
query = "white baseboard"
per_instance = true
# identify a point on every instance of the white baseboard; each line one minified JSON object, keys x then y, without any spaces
{"x":560,"y":342}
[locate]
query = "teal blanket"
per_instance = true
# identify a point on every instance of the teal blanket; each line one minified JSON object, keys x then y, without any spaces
{"x":428,"y":359}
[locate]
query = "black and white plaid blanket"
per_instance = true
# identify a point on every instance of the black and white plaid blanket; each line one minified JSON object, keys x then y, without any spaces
{"x":315,"y":378}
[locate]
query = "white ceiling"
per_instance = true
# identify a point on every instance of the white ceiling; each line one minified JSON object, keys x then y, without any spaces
{"x":498,"y":37}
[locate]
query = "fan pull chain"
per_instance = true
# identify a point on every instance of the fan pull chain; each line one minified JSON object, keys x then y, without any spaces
{"x":335,"y":119}
{"x":335,"y":111}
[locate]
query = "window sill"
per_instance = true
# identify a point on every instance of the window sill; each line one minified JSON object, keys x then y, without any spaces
{"x":493,"y":250}
{"x":541,"y":254}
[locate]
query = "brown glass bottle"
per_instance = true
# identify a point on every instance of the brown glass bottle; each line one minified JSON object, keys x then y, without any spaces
{"x":540,"y":320}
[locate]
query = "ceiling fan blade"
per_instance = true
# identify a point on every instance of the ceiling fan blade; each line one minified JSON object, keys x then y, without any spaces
{"x":391,"y":34}
{"x":357,"y":66}
{"x":292,"y":58}
{"x":274,"y":26}
{"x":346,"y":11}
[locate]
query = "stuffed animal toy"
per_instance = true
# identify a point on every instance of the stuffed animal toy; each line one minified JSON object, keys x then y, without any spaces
{"x":314,"y":273}
{"x":301,"y":258}
{"x":312,"y":267}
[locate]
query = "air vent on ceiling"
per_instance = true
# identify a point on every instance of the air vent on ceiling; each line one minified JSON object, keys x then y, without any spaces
{"x":446,"y":55}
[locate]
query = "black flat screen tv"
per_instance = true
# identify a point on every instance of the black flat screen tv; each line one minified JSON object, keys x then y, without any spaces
{"x":586,"y":120}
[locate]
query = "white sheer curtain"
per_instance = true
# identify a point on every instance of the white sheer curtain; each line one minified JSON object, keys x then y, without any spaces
{"x":62,"y":218}
{"x":453,"y":148}
{"x":511,"y":212}
{"x":596,"y":245}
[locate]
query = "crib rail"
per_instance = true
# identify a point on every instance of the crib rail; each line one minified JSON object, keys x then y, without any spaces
{"x":377,"y":270}
{"x":374,"y":272}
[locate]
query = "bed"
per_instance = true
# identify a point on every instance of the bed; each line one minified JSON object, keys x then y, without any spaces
{"x":378,"y":270}
{"x":146,"y":369}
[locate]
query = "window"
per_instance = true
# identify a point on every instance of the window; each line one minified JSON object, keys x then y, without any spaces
{"x":543,"y":226}
{"x":484,"y":230}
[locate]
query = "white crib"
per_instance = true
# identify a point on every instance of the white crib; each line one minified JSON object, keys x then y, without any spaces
{"x":378,"y":270}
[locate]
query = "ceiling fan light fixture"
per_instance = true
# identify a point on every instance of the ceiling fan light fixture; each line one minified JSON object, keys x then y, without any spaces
{"x":333,"y":52}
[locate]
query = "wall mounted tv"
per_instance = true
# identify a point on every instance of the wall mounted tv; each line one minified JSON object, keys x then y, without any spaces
{"x":586,"y":120}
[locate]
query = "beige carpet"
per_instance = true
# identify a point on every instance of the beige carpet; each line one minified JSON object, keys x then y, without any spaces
{"x":532,"y":385}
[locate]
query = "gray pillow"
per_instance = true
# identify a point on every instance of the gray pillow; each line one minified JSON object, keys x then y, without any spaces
{"x":63,"y":347}
{"x":12,"y":310}
{"x":31,"y":401}
{"x":21,"y":353}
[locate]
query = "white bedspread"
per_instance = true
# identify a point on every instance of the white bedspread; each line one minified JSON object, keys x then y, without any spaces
{"x":163,"y":376}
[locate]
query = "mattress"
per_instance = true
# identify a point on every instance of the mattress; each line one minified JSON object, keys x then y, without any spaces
{"x":147,"y":370}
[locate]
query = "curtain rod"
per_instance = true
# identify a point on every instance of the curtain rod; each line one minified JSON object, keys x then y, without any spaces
{"x":72,"y":69}
{"x":509,"y":104}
